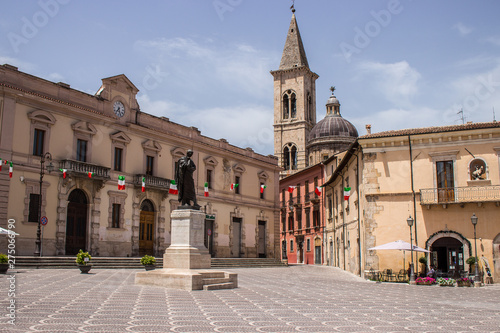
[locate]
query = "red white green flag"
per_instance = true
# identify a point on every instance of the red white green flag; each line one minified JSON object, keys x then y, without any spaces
{"x":64,"y":171}
{"x":121,"y":183}
{"x":143,"y":189}
{"x":291,"y":188}
{"x":11,"y":169}
{"x":173,"y":187}
{"x":318,"y":190}
{"x":347,"y":193}
{"x":233,"y":186}
{"x":262,"y":187}
{"x":1,"y":162}
{"x":206,"y":189}
{"x":90,"y":174}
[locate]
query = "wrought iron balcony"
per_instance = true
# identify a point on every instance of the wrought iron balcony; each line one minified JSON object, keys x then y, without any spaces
{"x":157,"y":183}
{"x":450,"y":195}
{"x":82,"y":169}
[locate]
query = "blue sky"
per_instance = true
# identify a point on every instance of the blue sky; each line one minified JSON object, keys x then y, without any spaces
{"x":205,"y":63}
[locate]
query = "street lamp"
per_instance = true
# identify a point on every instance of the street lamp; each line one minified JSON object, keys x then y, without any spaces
{"x":477,"y":280}
{"x":50,"y":167}
{"x":409,"y":220}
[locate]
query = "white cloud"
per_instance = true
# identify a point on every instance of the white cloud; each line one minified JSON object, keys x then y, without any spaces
{"x":462,"y":29}
{"x":398,"y":82}
{"x":495,"y":40}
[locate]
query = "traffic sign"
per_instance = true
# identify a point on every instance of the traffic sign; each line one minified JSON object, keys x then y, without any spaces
{"x":209,"y":231}
{"x":44,"y":220}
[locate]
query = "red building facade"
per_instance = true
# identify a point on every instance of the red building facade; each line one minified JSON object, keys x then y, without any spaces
{"x":302,"y":224}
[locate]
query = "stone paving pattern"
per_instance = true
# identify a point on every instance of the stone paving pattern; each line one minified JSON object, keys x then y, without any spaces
{"x":285,"y":299}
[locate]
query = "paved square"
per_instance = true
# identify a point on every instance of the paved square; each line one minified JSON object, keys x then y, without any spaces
{"x":286,"y":299}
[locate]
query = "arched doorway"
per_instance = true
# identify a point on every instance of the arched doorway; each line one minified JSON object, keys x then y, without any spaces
{"x":76,"y":222}
{"x":146,"y":228}
{"x":447,"y":254}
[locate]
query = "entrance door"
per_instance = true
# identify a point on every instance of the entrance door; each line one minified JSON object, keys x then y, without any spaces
{"x":76,"y":222}
{"x":236,"y":249}
{"x":209,"y":236}
{"x":146,"y":229}
{"x":300,"y":250}
{"x":317,"y":251}
{"x":449,"y":253}
{"x":445,"y":181}
{"x":262,"y":239}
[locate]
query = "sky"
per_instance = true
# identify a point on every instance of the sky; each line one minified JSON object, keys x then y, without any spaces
{"x":395,"y":64}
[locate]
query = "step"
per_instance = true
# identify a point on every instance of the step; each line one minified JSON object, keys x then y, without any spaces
{"x":218,"y":286}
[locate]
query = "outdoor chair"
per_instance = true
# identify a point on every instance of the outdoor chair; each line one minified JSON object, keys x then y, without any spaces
{"x":401,"y":275}
{"x":388,"y":275}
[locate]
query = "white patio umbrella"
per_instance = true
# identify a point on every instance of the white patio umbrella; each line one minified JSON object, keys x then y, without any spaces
{"x":4,"y":231}
{"x":399,"y":245}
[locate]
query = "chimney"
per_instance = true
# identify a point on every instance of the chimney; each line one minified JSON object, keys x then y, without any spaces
{"x":368,"y":129}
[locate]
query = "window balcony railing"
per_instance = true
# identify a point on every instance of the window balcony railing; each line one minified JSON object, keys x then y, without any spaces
{"x":451,"y":195}
{"x":152,"y":182}
{"x":82,"y":169}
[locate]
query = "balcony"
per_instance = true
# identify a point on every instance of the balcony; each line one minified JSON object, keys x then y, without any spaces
{"x":152,"y":182}
{"x":82,"y":169}
{"x":454,"y":195}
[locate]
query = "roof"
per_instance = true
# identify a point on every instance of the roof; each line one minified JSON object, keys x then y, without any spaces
{"x":294,"y":54}
{"x":430,"y":130}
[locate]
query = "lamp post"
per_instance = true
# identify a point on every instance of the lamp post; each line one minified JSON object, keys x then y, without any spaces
{"x":50,"y":167}
{"x":409,"y":220}
{"x":477,"y":280}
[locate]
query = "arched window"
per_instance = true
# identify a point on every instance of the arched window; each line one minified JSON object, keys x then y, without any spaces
{"x":477,"y":169}
{"x":293,"y":106}
{"x":290,"y":157}
{"x":286,"y":110}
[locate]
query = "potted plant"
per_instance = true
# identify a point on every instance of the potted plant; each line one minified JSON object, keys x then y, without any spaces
{"x":423,"y":261}
{"x":426,"y":281}
{"x":148,"y":262}
{"x":4,"y":263}
{"x":446,"y":282}
{"x":83,"y":261}
{"x":464,"y":282}
{"x":471,"y":261}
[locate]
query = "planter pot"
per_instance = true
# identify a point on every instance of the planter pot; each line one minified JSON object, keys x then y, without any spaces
{"x":424,"y":283}
{"x":447,"y":285}
{"x":463,"y":284}
{"x":149,"y":267}
{"x":3,"y":268}
{"x":84,"y":269}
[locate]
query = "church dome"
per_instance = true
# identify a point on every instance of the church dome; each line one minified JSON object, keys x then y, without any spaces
{"x":333,"y":126}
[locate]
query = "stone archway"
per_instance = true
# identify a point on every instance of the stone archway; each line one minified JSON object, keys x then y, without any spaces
{"x":438,"y":237}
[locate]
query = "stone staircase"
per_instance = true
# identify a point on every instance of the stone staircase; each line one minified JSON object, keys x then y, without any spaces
{"x":135,"y":262}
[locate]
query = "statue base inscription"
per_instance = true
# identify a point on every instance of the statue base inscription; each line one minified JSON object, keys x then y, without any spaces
{"x":187,"y":262}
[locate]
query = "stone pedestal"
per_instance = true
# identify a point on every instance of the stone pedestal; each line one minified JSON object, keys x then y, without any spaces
{"x":187,"y":262}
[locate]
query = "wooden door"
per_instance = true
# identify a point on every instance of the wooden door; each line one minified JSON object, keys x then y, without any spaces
{"x":236,"y":235}
{"x":76,"y":223}
{"x":146,"y":233}
{"x":262,"y":239}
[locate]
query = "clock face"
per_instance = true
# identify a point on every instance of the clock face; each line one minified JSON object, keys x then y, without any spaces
{"x":119,"y":109}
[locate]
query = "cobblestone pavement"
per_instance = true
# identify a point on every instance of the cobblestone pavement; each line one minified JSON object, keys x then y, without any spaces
{"x":286,"y":299}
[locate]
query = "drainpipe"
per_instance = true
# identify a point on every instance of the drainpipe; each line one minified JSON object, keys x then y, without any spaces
{"x":359,"y":212}
{"x":413,"y":196}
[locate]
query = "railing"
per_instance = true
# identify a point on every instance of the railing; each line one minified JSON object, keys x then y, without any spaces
{"x":431,"y":196}
{"x":83,"y":168}
{"x":152,"y":181}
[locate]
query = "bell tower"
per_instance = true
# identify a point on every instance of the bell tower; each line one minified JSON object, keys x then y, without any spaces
{"x":294,"y":103}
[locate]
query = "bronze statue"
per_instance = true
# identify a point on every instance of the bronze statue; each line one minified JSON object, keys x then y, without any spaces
{"x":185,"y":181}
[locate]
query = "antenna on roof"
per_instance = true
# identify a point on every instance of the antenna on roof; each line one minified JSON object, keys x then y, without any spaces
{"x":461,"y":112}
{"x":494,"y":120}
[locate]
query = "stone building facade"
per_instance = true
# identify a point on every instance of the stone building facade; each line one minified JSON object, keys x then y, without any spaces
{"x":96,"y":140}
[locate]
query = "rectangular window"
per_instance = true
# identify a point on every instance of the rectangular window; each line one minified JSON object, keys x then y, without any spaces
{"x":149,"y":165}
{"x":330,"y":207}
{"x":291,"y":245}
{"x":445,"y":181}
{"x":209,"y":178}
{"x":81,"y":150}
{"x":283,"y":199}
{"x":283,"y":222}
{"x":306,"y":191}
{"x":316,"y":217}
{"x":298,"y":213}
{"x":38,"y":138}
{"x":34,"y":208}
{"x":308,"y":218}
{"x":118,"y":159}
{"x":298,"y":193}
{"x":237,"y":181}
{"x":290,"y":222}
{"x":115,"y":217}
{"x":308,"y":244}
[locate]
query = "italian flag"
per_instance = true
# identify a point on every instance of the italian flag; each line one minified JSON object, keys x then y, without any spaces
{"x":262,"y":187}
{"x":233,"y":186}
{"x":291,"y":188}
{"x":206,"y":189}
{"x":11,"y":169}
{"x":318,"y":190}
{"x":121,"y":182}
{"x":64,"y":171}
{"x":143,"y":189}
{"x":173,"y":187}
{"x":1,"y":162}
{"x":91,"y":173}
{"x":347,"y":192}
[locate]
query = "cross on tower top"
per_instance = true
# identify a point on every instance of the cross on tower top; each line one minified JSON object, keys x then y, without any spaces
{"x":332,"y":88}
{"x":293,"y":6}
